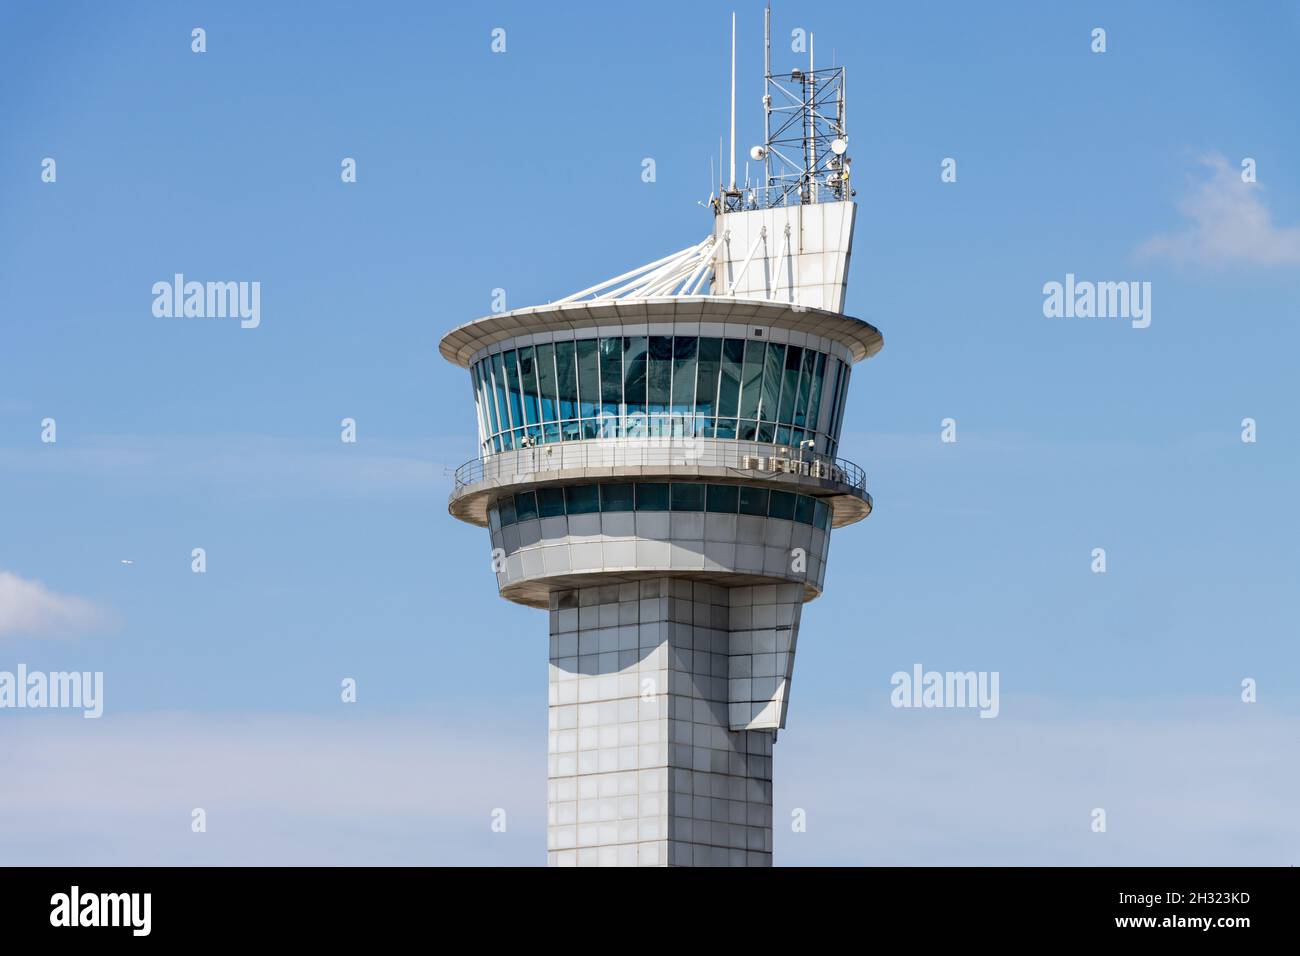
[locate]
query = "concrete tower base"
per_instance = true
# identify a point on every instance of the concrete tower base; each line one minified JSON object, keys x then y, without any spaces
{"x":665,"y":698}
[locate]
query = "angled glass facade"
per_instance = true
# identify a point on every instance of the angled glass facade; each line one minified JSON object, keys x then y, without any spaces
{"x":659,"y":386}
{"x":660,"y":496}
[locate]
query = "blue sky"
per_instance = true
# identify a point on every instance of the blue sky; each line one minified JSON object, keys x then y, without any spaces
{"x":478,"y":171}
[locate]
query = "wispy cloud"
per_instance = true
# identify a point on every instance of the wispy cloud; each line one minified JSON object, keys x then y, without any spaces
{"x":30,"y":609}
{"x":1182,"y":782}
{"x":1227,"y":223}
{"x":259,"y":465}
{"x":276,"y":789}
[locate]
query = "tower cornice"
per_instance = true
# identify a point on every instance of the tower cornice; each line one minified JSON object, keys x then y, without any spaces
{"x":862,"y":339}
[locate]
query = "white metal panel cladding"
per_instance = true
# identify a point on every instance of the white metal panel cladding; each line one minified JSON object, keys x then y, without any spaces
{"x":797,"y":254}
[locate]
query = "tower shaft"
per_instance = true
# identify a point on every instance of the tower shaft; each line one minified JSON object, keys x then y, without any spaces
{"x":645,"y":765}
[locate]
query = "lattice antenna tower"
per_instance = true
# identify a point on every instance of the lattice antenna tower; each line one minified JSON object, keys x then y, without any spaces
{"x":804,"y":154}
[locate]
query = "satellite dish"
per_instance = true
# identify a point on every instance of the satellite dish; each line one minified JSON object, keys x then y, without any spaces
{"x":838,"y":146}
{"x":757,"y":153}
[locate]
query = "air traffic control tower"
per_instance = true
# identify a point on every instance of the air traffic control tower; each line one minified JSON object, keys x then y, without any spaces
{"x":659,"y":470}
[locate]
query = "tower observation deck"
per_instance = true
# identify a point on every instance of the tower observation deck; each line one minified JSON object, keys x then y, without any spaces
{"x":659,"y":469}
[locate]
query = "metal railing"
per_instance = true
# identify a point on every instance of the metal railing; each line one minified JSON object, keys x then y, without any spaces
{"x":762,"y":459}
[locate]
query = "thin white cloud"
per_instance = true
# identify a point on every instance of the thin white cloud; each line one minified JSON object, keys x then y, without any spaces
{"x":259,"y":466}
{"x":1182,"y":782}
{"x":276,"y":789}
{"x":1228,"y":223}
{"x":30,"y":609}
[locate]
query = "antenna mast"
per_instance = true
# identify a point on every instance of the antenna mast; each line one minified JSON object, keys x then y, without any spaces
{"x":805,"y":139}
{"x":810,"y":140}
{"x":767,"y":100}
{"x":732,"y":181}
